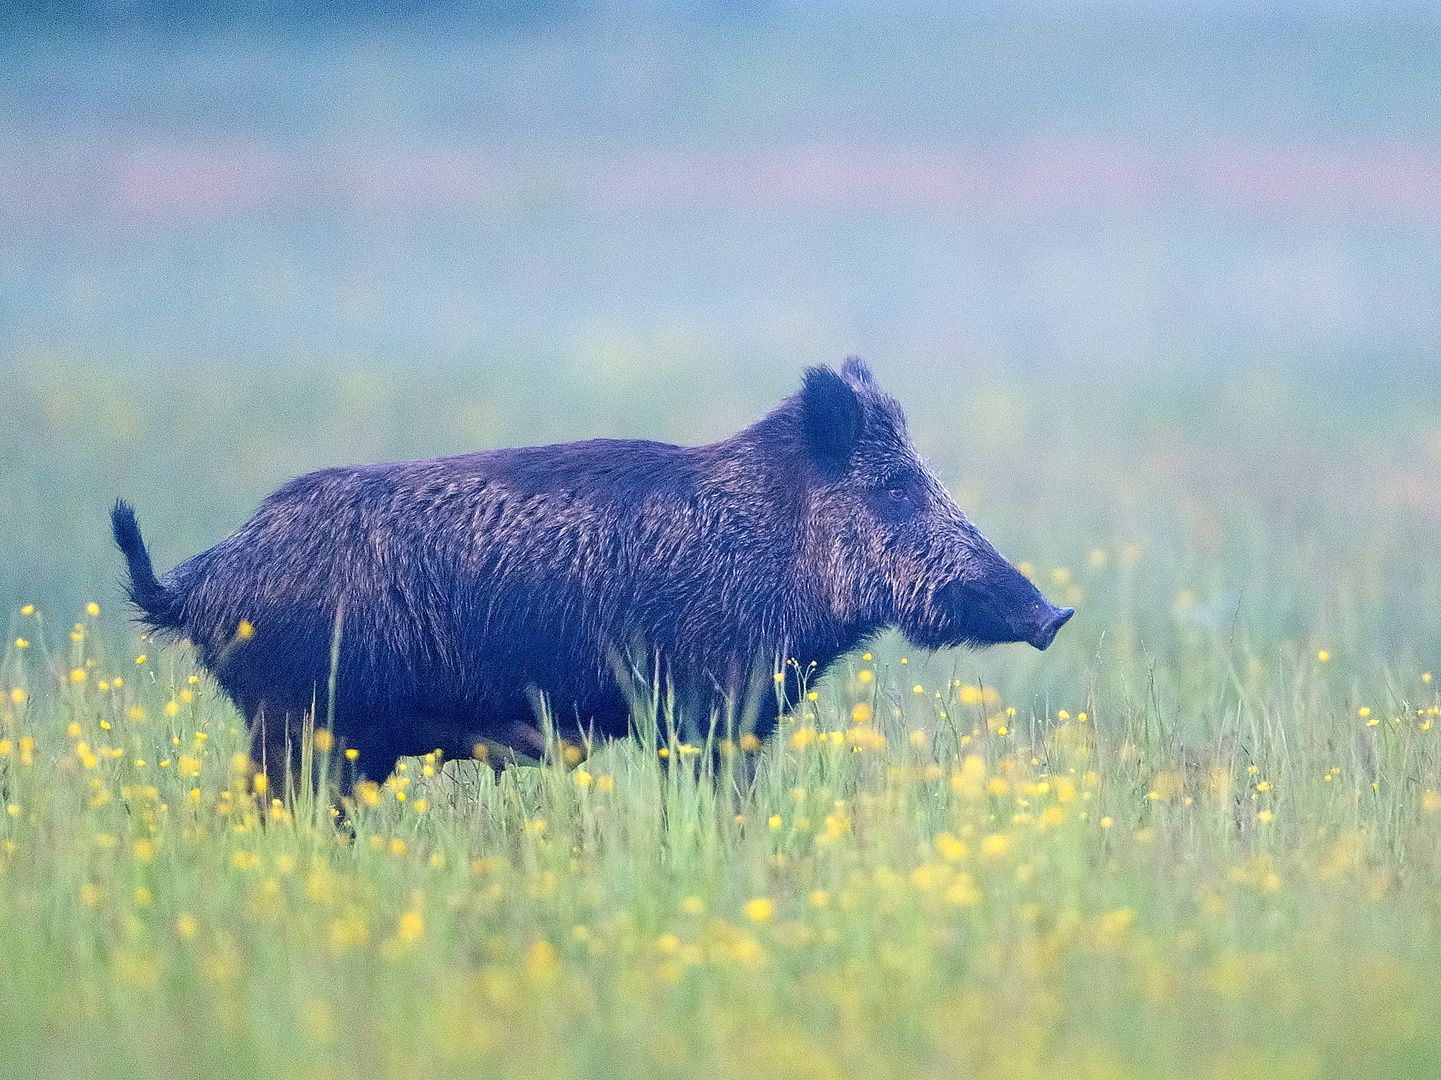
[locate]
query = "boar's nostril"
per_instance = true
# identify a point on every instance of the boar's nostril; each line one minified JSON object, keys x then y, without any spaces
{"x":1046,"y":630}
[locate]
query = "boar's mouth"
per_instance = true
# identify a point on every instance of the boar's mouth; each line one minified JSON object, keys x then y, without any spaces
{"x":975,"y":616}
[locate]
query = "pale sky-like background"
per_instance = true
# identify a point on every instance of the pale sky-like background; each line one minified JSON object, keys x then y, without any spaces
{"x":1124,"y":264}
{"x":989,"y":184}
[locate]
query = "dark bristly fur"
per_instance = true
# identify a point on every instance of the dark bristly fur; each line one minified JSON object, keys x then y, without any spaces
{"x":470,"y":583}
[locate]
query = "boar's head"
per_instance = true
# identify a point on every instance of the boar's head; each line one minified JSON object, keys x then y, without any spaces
{"x":890,"y":544}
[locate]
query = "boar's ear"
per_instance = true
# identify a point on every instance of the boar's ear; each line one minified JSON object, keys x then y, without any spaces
{"x":831,"y":419}
{"x":854,"y":371}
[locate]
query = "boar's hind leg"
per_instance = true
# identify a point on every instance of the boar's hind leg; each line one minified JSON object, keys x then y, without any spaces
{"x":380,"y":742}
{"x":276,"y":745}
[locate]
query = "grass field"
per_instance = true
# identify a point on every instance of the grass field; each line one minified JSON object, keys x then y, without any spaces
{"x":1198,"y":837}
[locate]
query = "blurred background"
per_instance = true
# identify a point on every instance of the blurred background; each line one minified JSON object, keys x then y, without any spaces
{"x":1157,"y":283}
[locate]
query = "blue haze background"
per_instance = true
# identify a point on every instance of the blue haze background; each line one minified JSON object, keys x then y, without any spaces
{"x":1141,"y":274}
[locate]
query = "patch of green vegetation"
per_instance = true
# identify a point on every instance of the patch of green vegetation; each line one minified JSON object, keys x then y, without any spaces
{"x":1196,"y":837}
{"x":913,"y":877}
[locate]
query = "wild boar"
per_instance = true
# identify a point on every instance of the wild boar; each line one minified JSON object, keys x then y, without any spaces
{"x":466,"y":589}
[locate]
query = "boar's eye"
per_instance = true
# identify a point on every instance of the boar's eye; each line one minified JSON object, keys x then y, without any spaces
{"x":893,"y":499}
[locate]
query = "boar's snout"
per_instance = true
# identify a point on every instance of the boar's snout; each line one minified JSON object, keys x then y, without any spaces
{"x":1049,"y":620}
{"x":1004,"y":607}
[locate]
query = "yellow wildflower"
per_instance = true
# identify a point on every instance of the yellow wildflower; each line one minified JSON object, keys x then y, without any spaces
{"x":760,"y":909}
{"x":996,"y":845}
{"x":950,"y":848}
{"x":963,"y":891}
{"x":412,"y":925}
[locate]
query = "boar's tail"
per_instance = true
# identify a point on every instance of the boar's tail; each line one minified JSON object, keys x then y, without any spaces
{"x":157,"y":604}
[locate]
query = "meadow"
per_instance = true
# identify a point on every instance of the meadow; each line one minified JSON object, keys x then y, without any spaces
{"x":1198,"y":837}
